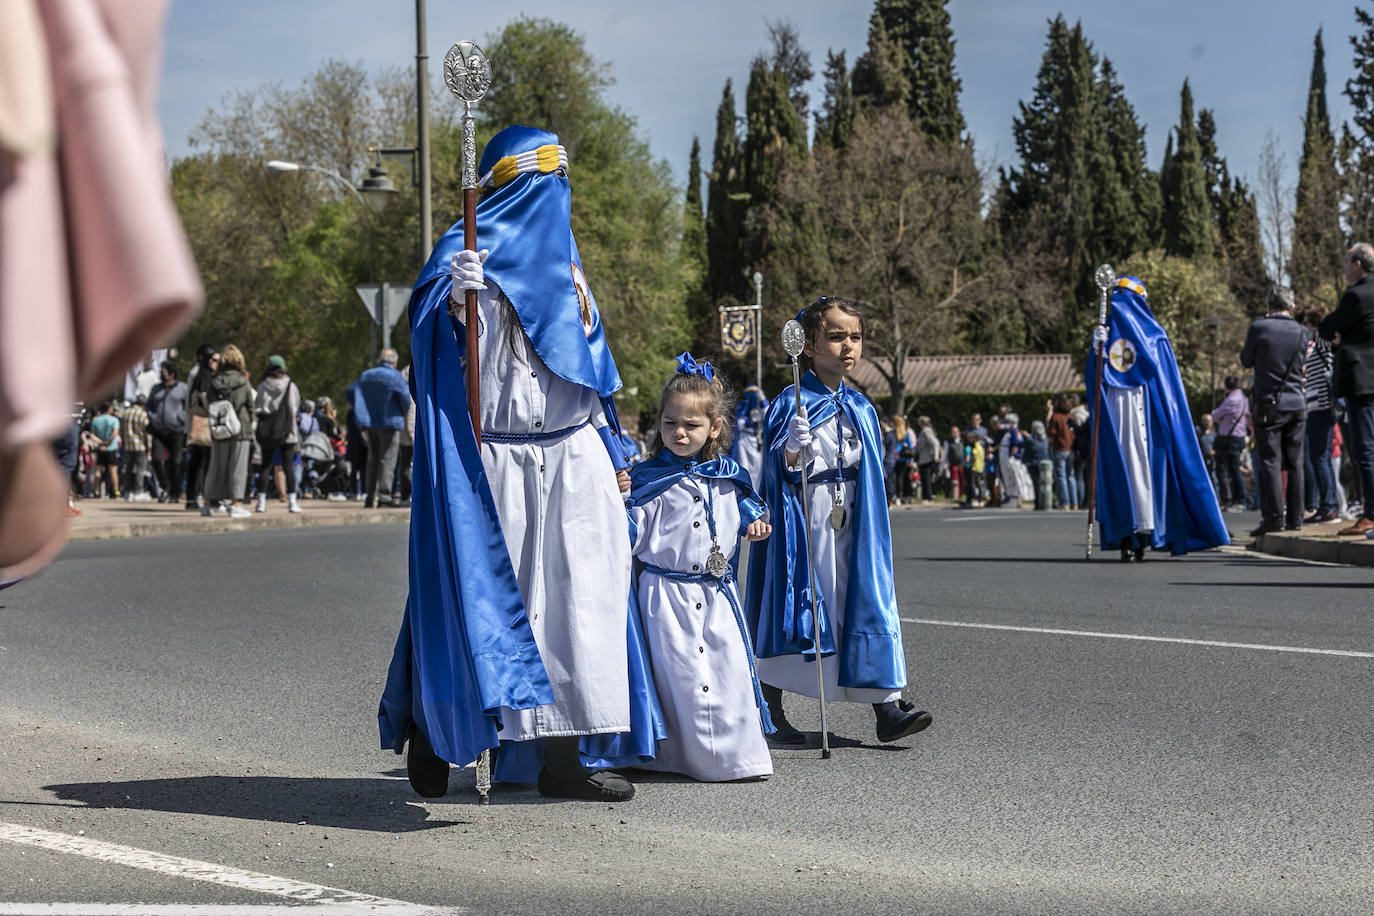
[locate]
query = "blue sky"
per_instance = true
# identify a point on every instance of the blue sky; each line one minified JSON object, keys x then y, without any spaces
{"x":1248,"y":62}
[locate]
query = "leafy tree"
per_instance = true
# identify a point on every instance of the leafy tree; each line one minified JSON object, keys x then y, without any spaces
{"x":626,"y":211}
{"x":1188,"y":227}
{"x":1317,"y":236}
{"x":1193,"y":302}
{"x":891,"y":221}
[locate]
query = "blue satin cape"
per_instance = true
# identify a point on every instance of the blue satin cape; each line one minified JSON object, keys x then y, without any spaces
{"x":1185,"y":506}
{"x":779,"y":603}
{"x":651,"y":479}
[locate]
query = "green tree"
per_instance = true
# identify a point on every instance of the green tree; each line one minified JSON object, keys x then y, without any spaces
{"x":880,"y":79}
{"x":700,"y":309}
{"x":1357,"y":141}
{"x":835,"y":120}
{"x":626,"y":212}
{"x":725,"y":206}
{"x":924,"y":40}
{"x":1189,"y":230}
{"x":792,"y":62}
{"x":1317,"y":236}
{"x":1193,"y":302}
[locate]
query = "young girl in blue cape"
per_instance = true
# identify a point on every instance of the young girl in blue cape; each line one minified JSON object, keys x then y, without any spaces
{"x":690,"y":504}
{"x":862,"y":660}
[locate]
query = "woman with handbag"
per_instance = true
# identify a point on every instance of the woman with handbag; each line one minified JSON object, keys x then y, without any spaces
{"x":229,"y":455}
{"x":198,"y":422}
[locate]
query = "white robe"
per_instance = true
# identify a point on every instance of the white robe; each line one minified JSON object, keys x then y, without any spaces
{"x":700,"y":662}
{"x":564,"y":523}
{"x":830,"y":549}
{"x":1126,"y":407}
{"x":749,"y":451}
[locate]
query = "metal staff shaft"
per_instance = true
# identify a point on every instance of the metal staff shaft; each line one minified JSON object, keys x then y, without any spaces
{"x":811,"y":568}
{"x":468,"y":76}
{"x":1104,"y":278}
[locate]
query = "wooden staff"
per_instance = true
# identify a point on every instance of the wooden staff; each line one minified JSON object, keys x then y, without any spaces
{"x":468,"y":76}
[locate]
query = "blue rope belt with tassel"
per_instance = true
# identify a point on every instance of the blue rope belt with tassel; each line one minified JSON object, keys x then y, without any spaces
{"x":724,"y":584}
{"x":531,"y":438}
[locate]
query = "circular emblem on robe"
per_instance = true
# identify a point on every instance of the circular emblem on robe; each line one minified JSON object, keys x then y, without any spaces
{"x":1122,"y":355}
{"x":584,"y":298}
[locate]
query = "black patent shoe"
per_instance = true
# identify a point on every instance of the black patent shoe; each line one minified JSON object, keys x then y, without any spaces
{"x":427,"y":771}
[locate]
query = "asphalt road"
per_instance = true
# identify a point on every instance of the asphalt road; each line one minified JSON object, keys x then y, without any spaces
{"x":213,"y":697}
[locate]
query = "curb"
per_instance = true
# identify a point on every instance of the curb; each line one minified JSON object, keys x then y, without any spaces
{"x":201,"y":525}
{"x":1352,"y":551}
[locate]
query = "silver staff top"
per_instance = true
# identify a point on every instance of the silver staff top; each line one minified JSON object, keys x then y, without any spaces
{"x":793,"y":338}
{"x":467,"y":72}
{"x":1104,"y":277}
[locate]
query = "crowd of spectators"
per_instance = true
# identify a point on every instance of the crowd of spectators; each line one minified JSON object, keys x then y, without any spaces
{"x":224,"y":444}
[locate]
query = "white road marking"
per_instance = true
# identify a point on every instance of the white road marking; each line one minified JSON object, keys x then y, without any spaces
{"x":212,"y":909}
{"x":338,"y":901}
{"x":1347,"y":653}
{"x":971,"y":518}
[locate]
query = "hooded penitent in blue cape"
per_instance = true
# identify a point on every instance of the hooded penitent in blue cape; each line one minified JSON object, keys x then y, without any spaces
{"x":1186,"y":515}
{"x":466,"y":648}
{"x":753,"y":404}
{"x":779,"y":603}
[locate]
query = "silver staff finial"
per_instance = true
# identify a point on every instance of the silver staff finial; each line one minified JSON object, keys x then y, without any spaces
{"x":467,"y":72}
{"x":1104,"y":277}
{"x":793,"y":338}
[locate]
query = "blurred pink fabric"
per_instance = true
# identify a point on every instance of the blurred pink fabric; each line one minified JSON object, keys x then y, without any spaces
{"x":94,"y":267}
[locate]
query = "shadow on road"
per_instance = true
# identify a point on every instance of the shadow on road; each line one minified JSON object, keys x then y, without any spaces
{"x":353,"y":804}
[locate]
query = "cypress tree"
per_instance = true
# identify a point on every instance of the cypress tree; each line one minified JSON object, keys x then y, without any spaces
{"x":1357,"y":145}
{"x":772,"y":130}
{"x":1240,"y":239}
{"x":725,"y":203}
{"x":880,"y":78}
{"x":1317,"y":235}
{"x":793,"y":63}
{"x":835,"y":120}
{"x":1128,"y":196}
{"x":1188,"y":227}
{"x":693,"y":221}
{"x":921,"y":31}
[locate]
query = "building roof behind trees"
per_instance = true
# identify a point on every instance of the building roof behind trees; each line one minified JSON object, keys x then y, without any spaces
{"x":1015,"y":373}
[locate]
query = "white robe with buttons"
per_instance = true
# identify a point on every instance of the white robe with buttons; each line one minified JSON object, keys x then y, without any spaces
{"x":564,"y":523}
{"x":830,"y":550}
{"x":700,"y":662}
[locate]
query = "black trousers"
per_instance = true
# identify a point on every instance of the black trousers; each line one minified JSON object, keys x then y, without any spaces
{"x":1228,"y":449}
{"x":168,"y":469}
{"x":196,"y":468}
{"x":1280,"y":449}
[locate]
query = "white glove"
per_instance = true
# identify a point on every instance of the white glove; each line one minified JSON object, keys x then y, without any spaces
{"x":798,"y":435}
{"x":466,"y":269}
{"x":1100,"y":337}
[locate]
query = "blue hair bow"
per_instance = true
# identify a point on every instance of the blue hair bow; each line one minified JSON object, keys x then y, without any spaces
{"x":686,"y":365}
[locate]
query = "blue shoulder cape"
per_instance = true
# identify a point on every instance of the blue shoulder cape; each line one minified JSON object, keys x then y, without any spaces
{"x":1187,"y":516}
{"x":650,"y":479}
{"x":779,"y":603}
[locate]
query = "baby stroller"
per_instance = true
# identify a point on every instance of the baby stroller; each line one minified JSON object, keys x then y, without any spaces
{"x":327,"y":471}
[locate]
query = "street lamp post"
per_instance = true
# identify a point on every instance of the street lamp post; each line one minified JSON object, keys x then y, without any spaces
{"x":758,"y":330}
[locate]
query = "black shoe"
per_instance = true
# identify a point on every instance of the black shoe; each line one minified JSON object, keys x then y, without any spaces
{"x":602,"y":785}
{"x":1125,"y":554}
{"x":367,"y":504}
{"x":894,"y":723}
{"x":1264,"y":529}
{"x":783,"y":731}
{"x":428,"y":771}
{"x":1140,"y":554}
{"x":1292,"y":527}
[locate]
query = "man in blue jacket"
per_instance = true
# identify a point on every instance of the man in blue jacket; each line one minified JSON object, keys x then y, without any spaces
{"x":380,"y":399}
